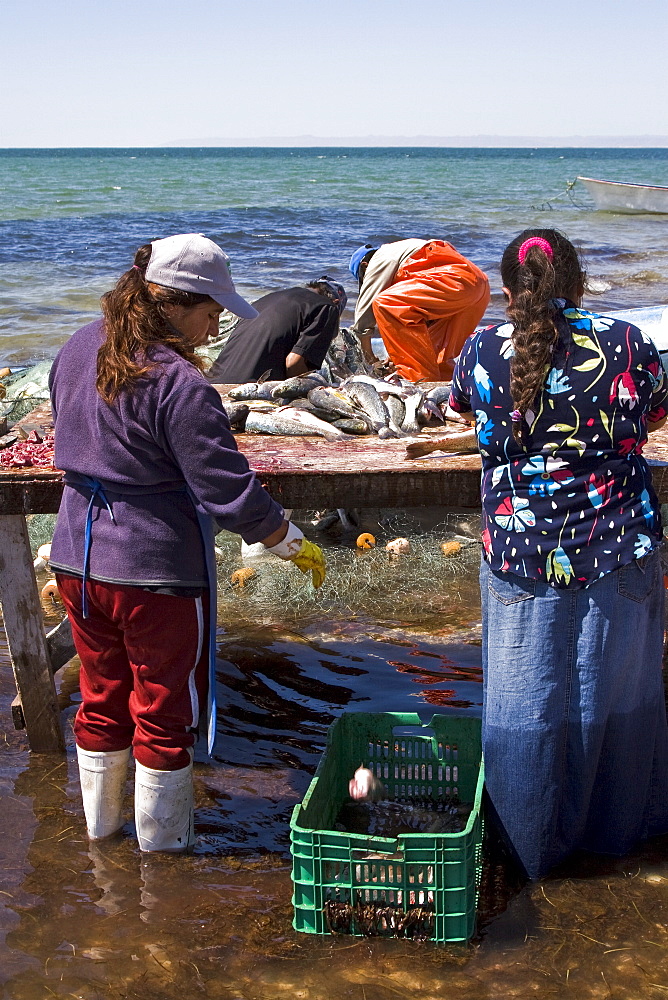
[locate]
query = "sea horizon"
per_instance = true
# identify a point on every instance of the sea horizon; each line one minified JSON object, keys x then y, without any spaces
{"x":307,"y":141}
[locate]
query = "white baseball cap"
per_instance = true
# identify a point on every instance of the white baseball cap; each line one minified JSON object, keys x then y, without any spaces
{"x":193,"y":263}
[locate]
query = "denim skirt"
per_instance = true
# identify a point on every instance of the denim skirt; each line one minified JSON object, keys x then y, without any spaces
{"x":574,"y":718}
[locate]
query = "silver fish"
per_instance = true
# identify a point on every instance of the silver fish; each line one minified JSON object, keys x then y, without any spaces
{"x":307,"y":405}
{"x":311,"y":422}
{"x":291,"y":423}
{"x":253,"y":390}
{"x":380,"y":385}
{"x":440,"y":393}
{"x":237,"y":413}
{"x":364,"y":785}
{"x":335,"y":401}
{"x":389,"y":818}
{"x":298,"y":387}
{"x":351,"y":425}
{"x":367,"y":399}
{"x":429,"y":414}
{"x":412,"y":405}
{"x":397,"y":411}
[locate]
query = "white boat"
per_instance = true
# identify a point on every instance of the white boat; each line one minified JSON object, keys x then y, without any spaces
{"x":617,"y":196}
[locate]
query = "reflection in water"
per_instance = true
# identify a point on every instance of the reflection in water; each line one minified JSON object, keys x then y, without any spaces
{"x":98,"y":921}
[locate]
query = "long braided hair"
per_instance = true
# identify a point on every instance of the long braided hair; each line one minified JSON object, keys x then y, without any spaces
{"x":537,"y":267}
{"x":134,"y":320}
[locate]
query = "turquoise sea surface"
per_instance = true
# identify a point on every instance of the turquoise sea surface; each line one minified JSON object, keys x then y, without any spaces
{"x":70,"y":219}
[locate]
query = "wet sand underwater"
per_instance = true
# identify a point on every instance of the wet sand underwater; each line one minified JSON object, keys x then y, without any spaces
{"x":99,"y":922}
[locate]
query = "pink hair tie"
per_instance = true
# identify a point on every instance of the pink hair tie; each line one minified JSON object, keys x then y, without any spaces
{"x":534,"y":241}
{"x":516,"y":416}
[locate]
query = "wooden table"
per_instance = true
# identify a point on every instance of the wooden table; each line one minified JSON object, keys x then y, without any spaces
{"x":300,"y":472}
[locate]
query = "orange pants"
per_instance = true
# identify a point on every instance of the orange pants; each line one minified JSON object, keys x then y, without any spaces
{"x":437,"y":299}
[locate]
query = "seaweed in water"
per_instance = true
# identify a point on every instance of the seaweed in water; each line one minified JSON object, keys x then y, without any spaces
{"x":379,"y":919}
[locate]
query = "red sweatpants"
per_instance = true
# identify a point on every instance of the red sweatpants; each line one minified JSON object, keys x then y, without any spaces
{"x":144,"y":670}
{"x":437,"y":299}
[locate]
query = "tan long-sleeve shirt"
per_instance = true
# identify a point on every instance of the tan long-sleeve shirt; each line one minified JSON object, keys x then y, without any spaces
{"x":380,"y":274}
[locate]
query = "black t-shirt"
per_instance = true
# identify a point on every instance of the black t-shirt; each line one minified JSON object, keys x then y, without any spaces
{"x":296,"y":320}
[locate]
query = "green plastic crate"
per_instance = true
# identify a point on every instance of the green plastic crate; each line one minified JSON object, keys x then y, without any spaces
{"x":414,"y":760}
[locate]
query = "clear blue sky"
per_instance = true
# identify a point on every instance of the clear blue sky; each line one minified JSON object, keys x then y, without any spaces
{"x":89,"y":73}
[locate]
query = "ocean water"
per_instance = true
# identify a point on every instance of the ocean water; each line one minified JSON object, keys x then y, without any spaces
{"x":71,"y":219}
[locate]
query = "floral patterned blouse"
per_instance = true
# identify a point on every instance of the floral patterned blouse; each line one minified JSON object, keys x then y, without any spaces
{"x":578,"y":502}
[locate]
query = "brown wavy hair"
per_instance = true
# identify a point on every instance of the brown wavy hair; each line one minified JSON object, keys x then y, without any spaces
{"x":134,"y":321}
{"x":532,"y":286}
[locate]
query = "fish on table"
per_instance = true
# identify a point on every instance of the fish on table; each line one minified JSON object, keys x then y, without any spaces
{"x":336,"y":402}
{"x":253,"y":390}
{"x":352,"y":425}
{"x":348,"y":394}
{"x":299,"y":386}
{"x":285,"y":420}
{"x":368,"y":401}
{"x":237,"y":414}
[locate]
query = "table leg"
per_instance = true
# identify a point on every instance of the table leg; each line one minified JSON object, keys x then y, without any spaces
{"x":22,"y":613}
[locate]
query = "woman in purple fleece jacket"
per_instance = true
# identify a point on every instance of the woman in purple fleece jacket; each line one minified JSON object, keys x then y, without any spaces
{"x":150,"y":467}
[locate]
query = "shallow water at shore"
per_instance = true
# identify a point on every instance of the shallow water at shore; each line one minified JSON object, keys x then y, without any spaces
{"x":100,"y":922}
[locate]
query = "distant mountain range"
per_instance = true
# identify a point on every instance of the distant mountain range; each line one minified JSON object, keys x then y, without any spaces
{"x":466,"y":141}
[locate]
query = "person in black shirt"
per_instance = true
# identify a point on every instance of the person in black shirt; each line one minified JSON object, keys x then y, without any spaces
{"x":290,"y":336}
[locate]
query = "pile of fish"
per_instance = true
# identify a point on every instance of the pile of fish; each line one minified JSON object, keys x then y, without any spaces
{"x":347,"y":396}
{"x":390,"y":818}
{"x":308,"y":404}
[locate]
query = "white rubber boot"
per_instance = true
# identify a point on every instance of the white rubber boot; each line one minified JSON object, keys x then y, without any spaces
{"x":102,"y":775}
{"x":164,"y":809}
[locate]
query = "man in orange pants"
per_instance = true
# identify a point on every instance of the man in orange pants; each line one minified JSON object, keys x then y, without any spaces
{"x":425,"y":299}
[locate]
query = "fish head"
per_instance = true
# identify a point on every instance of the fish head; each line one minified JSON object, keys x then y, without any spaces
{"x":241,"y":391}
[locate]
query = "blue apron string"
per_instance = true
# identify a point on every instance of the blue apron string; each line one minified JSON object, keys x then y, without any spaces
{"x":96,"y":489}
{"x":207,"y":532}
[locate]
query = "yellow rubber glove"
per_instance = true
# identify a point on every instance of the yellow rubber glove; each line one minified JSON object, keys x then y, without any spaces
{"x":307,"y":556}
{"x":310,"y":558}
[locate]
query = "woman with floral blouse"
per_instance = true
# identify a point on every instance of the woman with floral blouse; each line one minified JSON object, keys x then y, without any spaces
{"x":574,"y":722}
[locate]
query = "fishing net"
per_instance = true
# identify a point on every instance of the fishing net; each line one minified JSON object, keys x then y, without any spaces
{"x":422,"y":587}
{"x":212,"y":348}
{"x":33,"y":383}
{"x":425,"y":587}
{"x":14,"y":410}
{"x":40,"y":529}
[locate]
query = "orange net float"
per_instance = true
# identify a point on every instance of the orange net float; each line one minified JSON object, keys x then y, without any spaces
{"x":451,"y":548}
{"x":50,"y":590}
{"x":365,"y":541}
